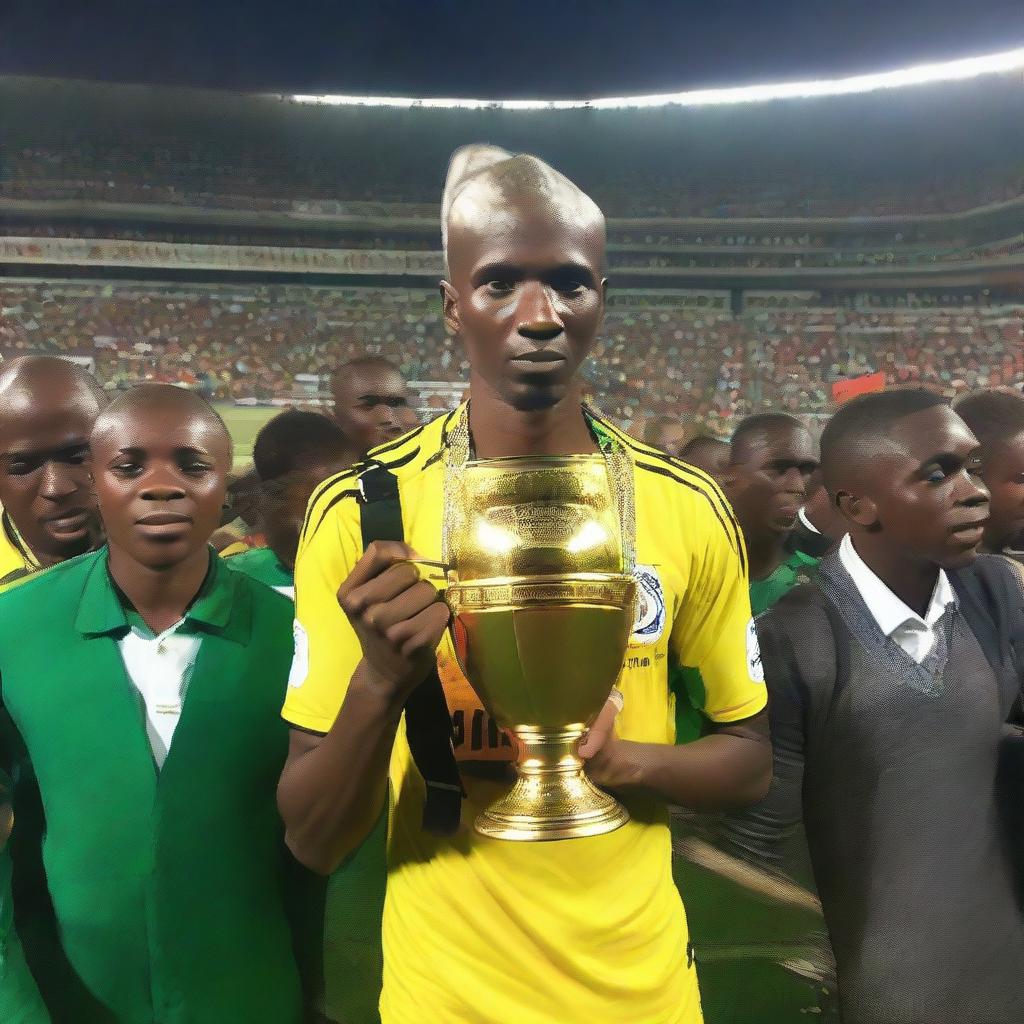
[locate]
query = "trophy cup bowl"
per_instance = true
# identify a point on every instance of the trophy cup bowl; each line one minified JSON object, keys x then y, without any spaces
{"x":542,"y":608}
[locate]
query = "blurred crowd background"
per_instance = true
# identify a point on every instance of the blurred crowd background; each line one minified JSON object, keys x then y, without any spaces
{"x":759,"y":256}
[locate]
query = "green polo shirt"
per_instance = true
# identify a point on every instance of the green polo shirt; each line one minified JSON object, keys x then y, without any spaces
{"x":796,"y":569}
{"x":263,"y":565}
{"x":168,"y":889}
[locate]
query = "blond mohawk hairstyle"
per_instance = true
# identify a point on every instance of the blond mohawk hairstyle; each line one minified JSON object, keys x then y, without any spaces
{"x":465,"y":163}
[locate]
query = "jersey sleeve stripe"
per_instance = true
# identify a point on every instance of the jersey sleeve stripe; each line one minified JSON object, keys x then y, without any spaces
{"x":322,"y":489}
{"x":404,"y":460}
{"x":704,"y":481}
{"x":730,"y":527}
{"x":383,"y":449}
{"x":352,"y":492}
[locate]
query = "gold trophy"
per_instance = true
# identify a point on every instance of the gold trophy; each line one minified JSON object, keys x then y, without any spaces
{"x":542,"y":598}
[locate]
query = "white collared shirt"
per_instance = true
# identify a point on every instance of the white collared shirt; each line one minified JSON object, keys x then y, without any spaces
{"x":160,"y":667}
{"x":894,"y":617}
{"x":802,"y":516}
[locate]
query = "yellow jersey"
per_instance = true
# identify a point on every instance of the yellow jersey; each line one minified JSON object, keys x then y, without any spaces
{"x":16,"y":560}
{"x":588,"y":930}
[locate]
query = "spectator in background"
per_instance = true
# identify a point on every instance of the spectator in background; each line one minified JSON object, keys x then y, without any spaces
{"x":371,"y":400}
{"x":293,"y":453}
{"x":241,"y":520}
{"x":47,"y":409}
{"x":666,"y":433}
{"x":819,"y":524}
{"x":771,"y":458}
{"x":997,"y":420}
{"x":708,"y":453}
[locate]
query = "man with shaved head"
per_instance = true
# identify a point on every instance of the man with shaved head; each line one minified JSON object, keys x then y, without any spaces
{"x":476,"y":929}
{"x":891,"y":680}
{"x":771,"y":458}
{"x":148,"y":708}
{"x":711,"y":454}
{"x":371,"y":400}
{"x":47,"y":409}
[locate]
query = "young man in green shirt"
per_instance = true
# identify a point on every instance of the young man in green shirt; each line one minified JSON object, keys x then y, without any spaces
{"x":744,"y":921}
{"x":771,"y":458}
{"x":293,"y":453}
{"x":147,"y":709}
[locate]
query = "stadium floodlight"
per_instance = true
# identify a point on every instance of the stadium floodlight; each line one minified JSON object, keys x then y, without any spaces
{"x":919,"y":74}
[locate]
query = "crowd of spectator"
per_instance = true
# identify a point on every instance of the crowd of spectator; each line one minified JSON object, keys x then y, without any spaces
{"x":688,"y":355}
{"x":208,"y":174}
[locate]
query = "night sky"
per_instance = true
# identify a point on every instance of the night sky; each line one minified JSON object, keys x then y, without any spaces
{"x":491,"y":49}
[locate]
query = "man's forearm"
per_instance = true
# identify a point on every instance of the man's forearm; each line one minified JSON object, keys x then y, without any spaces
{"x":717,"y":773}
{"x":332,"y":790}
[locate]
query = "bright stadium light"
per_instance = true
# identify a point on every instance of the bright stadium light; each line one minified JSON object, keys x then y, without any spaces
{"x":920,"y":74}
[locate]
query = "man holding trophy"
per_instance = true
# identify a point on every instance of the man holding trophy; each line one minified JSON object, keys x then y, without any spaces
{"x":545,"y":557}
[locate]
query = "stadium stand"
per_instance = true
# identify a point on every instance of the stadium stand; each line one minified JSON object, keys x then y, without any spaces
{"x":662,"y":352}
{"x":758,"y":255}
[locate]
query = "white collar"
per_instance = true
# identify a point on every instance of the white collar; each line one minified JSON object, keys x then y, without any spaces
{"x":802,"y":516}
{"x":889,"y":611}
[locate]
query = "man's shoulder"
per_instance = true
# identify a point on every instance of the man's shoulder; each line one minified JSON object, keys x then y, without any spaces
{"x":249,"y":559}
{"x":264,"y":597}
{"x":801,"y":613}
{"x":406,"y":459}
{"x":994,"y":570}
{"x":46,"y":588}
{"x":669,"y":483}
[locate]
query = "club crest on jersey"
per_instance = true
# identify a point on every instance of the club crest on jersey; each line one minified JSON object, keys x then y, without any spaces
{"x":649,"y":623}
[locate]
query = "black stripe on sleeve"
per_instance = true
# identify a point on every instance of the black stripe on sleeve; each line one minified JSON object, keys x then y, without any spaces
{"x":701,"y":479}
{"x":390,"y":446}
{"x":731,"y":529}
{"x":321,"y":490}
{"x":340,"y":496}
{"x":399,"y":463}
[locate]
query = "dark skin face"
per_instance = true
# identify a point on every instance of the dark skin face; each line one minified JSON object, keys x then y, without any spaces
{"x":821,"y":512}
{"x":670,"y":438}
{"x":44,"y":475}
{"x":526,"y":294}
{"x":285,"y":502}
{"x":767,"y":481}
{"x":1003,"y":473}
{"x":711,"y":457}
{"x":371,"y":404}
{"x":918,"y":504}
{"x":160,"y":476}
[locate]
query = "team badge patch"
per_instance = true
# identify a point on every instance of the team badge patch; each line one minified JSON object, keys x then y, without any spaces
{"x":300,"y":659}
{"x":650,"y":606}
{"x":754,"y":665}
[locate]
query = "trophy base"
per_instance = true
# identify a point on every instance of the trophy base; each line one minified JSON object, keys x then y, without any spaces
{"x":552,"y":797}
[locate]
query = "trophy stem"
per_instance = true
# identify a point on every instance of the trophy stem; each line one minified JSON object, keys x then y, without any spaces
{"x":552,"y":797}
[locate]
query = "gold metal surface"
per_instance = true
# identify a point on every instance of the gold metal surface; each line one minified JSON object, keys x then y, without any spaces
{"x":542,"y":599}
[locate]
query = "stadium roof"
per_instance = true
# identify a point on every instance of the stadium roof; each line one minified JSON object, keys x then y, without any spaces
{"x":917,"y":75}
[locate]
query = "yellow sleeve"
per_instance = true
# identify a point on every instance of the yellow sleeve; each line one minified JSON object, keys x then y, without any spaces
{"x":713,"y":629}
{"x":326,"y":649}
